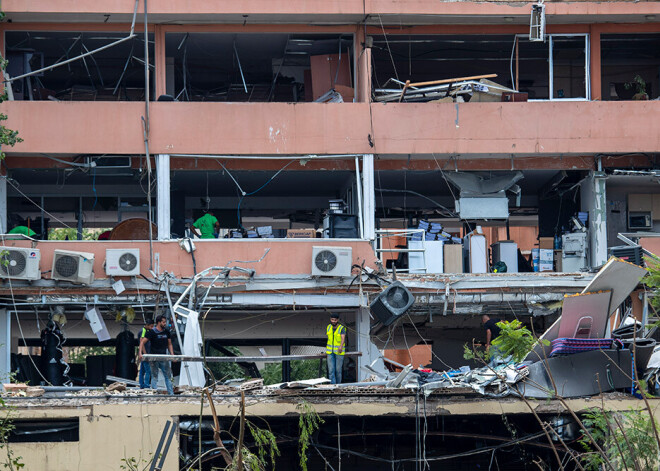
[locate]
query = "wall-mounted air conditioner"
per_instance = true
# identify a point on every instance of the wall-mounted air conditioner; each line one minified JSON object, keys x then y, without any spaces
{"x":76,"y":267}
{"x":122,"y":262}
{"x":20,"y":264}
{"x":332,"y":261}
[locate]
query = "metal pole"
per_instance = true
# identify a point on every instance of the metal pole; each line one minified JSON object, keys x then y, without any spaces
{"x":273,"y":358}
{"x":286,"y":365}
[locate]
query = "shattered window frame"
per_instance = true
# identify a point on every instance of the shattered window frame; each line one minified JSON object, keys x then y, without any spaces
{"x":551,"y":74}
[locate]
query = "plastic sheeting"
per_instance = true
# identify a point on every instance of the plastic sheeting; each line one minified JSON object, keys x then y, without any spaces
{"x":192,"y":373}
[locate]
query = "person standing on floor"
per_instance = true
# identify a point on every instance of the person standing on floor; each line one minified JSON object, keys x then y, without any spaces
{"x":207,"y":226}
{"x":161,"y":343}
{"x":492,"y":332}
{"x":335,"y":348}
{"x":145,"y":370}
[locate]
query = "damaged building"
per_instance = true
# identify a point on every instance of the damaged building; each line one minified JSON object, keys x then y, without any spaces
{"x":410,"y":166}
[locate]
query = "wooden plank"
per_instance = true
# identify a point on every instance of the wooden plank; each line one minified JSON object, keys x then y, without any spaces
{"x":451,"y":80}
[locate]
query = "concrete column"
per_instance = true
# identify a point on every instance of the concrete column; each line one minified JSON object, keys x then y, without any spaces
{"x":163,"y":196}
{"x":3,"y":206}
{"x":5,"y":345}
{"x":159,"y":60}
{"x":370,"y":352}
{"x":368,"y":197}
{"x":362,"y":65}
{"x":593,"y":200}
{"x":595,"y":62}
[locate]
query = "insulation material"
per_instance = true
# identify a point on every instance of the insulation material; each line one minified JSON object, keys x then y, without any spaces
{"x":192,"y":373}
{"x":617,"y":276}
{"x":585,"y":315}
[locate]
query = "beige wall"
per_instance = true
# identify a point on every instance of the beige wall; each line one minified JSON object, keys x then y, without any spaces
{"x":107,"y":434}
{"x":112,"y":430}
{"x":304,"y":128}
{"x":210,"y":253}
{"x":284,"y":7}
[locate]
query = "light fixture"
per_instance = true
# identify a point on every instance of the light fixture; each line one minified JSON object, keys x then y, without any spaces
{"x":508,"y":19}
{"x":650,"y":17}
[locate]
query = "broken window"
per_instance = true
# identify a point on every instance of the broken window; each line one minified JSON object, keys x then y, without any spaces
{"x":480,"y":68}
{"x":41,"y":431}
{"x":258,"y":67}
{"x":56,"y":202}
{"x":629,"y":65}
{"x":290,"y":199}
{"x":556,"y":69}
{"x":113,"y":74}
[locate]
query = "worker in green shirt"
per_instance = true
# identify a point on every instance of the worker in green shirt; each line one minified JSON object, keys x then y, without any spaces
{"x":23,"y":230}
{"x":207,"y":226}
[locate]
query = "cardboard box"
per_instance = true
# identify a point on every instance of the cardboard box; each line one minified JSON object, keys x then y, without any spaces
{"x":543,"y":259}
{"x":546,"y":242}
{"x":546,"y":255}
{"x":453,"y":255}
{"x":545,"y":266}
{"x":558,"y":260}
{"x":300,"y":233}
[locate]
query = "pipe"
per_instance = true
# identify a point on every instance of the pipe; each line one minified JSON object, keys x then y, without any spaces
{"x":268,"y":358}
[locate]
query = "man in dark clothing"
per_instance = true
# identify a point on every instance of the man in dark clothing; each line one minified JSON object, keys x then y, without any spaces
{"x":145,"y":370}
{"x":492,"y":332}
{"x":161,"y":343}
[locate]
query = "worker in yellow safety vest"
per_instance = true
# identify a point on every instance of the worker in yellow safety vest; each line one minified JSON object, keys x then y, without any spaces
{"x":335,"y":348}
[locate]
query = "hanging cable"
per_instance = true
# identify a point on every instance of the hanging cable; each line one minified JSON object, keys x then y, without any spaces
{"x":82,"y":56}
{"x":244,"y":194}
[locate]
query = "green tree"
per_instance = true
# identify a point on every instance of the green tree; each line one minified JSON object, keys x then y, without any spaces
{"x":300,"y":370}
{"x":626,"y":438}
{"x":9,"y":461}
{"x":62,"y":233}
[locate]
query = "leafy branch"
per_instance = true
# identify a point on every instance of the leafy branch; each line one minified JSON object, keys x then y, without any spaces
{"x":308,"y":423}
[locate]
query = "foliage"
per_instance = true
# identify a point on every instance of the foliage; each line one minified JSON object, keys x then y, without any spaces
{"x":223,"y":371}
{"x":308,"y":423}
{"x":136,"y":464}
{"x":79,"y":354}
{"x":11,"y":462}
{"x":515,"y":340}
{"x":64,"y":233}
{"x":251,"y":462}
{"x":264,"y":441}
{"x":300,"y":370}
{"x":627,"y":439}
{"x":469,"y":353}
{"x":652,"y":280}
{"x":639,"y":83}
{"x":8,"y":137}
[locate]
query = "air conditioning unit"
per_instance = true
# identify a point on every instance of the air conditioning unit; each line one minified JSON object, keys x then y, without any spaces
{"x":20,"y":264}
{"x":76,"y":267}
{"x":392,"y":303}
{"x":332,"y":261}
{"x":122,"y":262}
